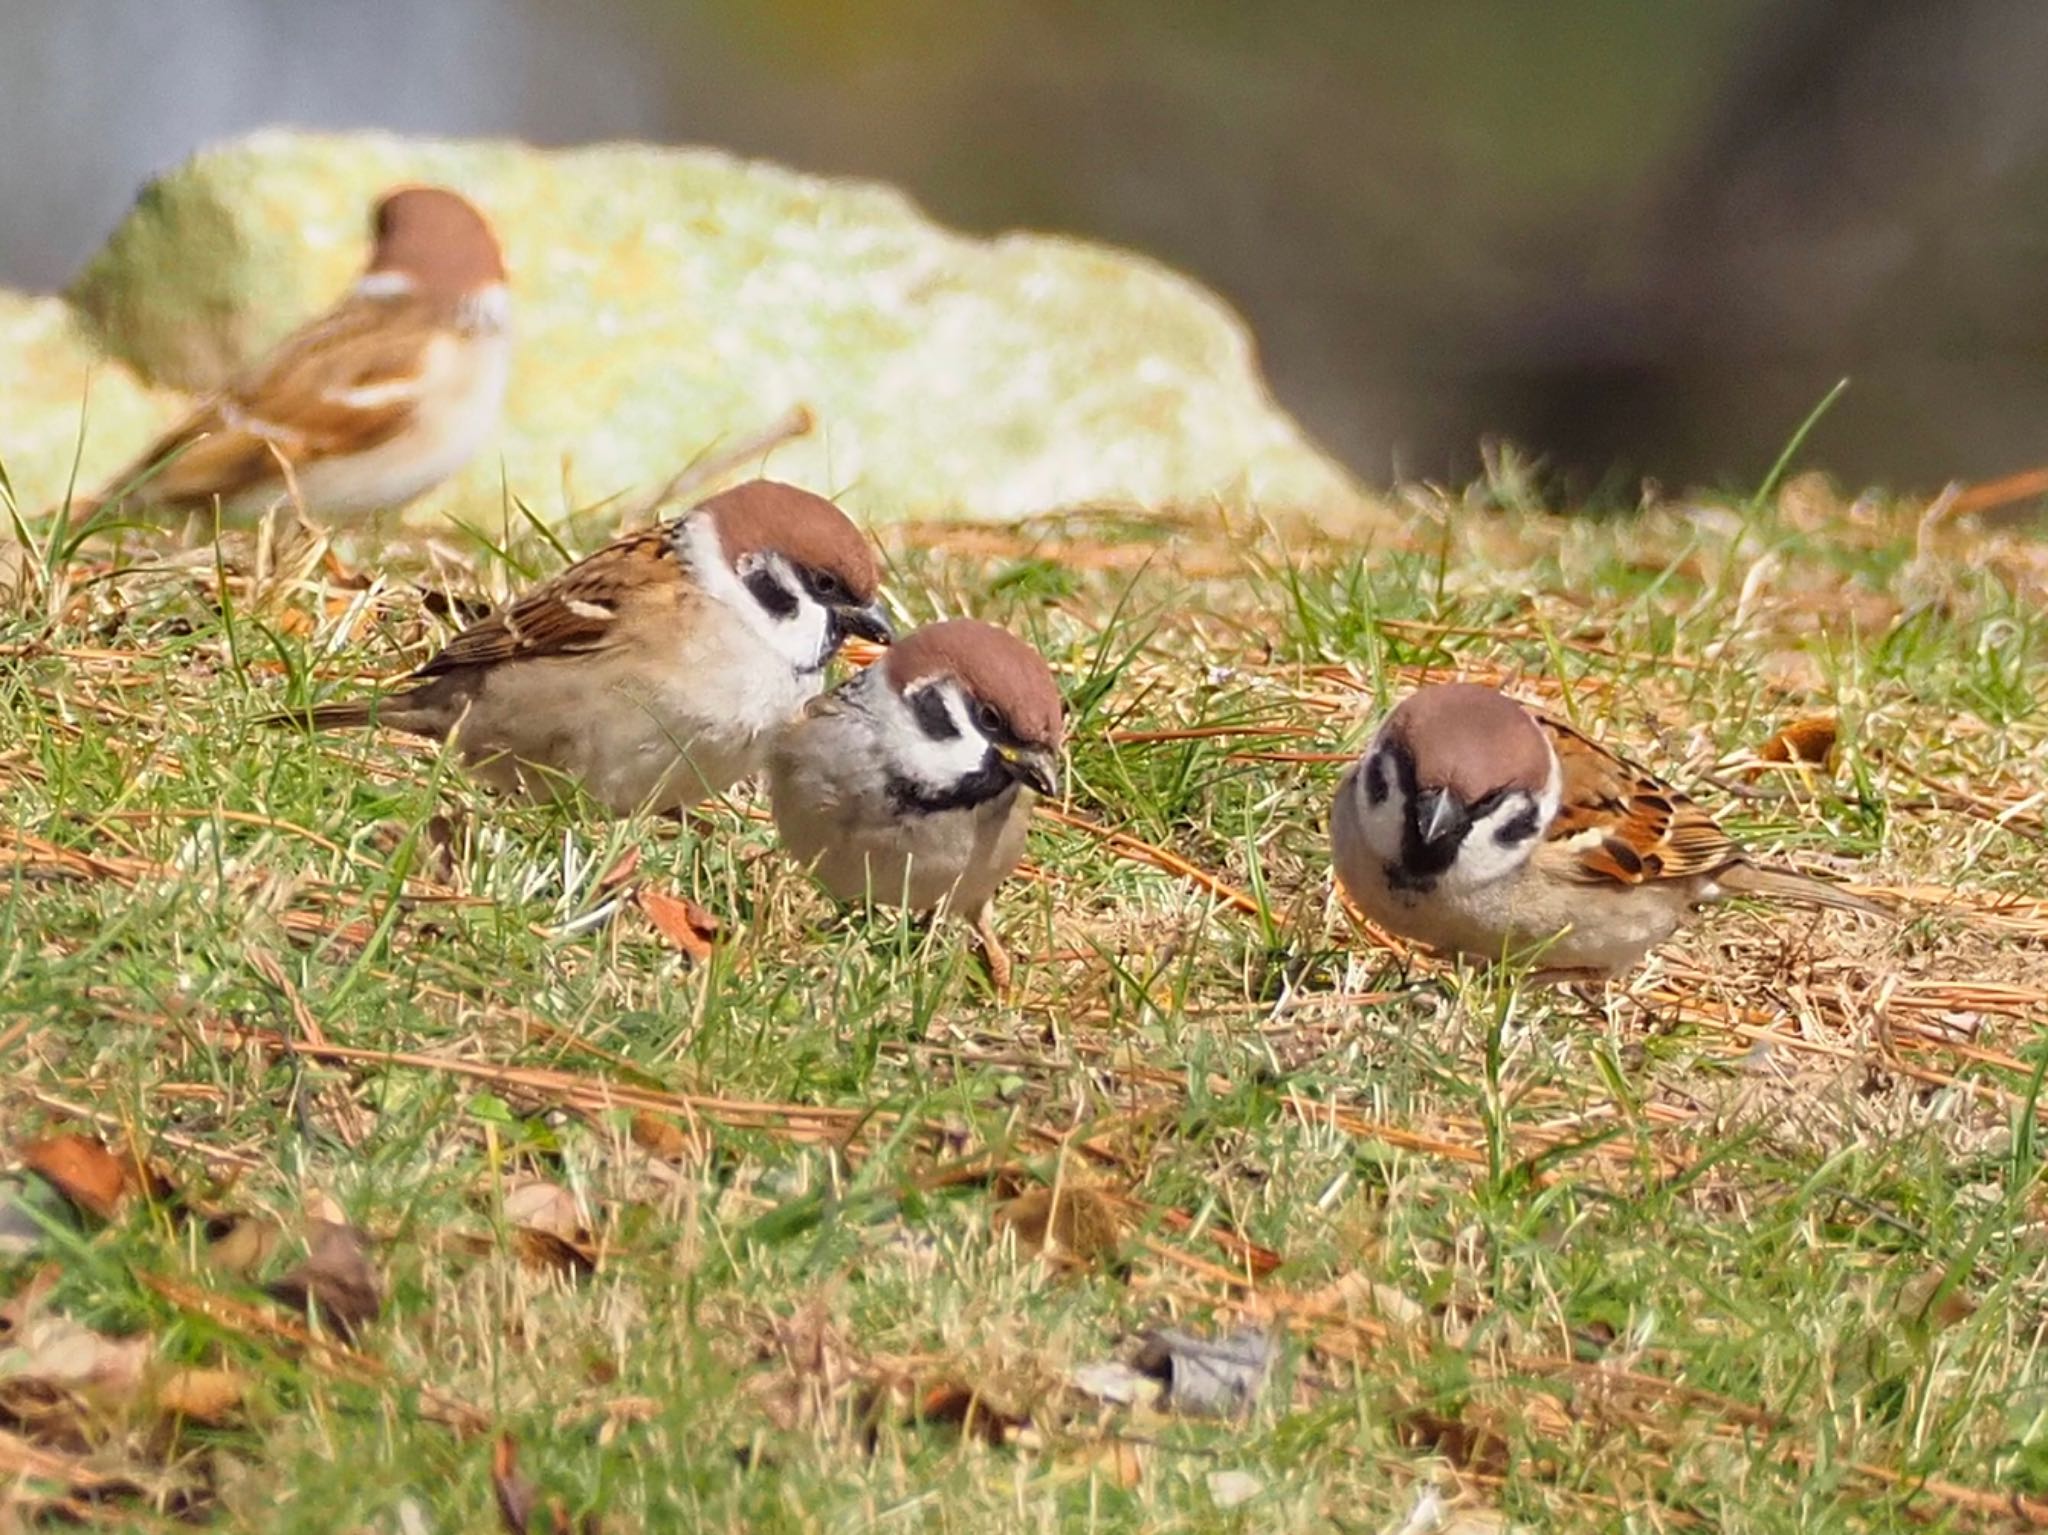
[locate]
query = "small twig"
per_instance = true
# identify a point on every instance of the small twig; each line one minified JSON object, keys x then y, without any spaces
{"x":206,"y":1151}
{"x":713,"y":465}
{"x":2003,"y":491}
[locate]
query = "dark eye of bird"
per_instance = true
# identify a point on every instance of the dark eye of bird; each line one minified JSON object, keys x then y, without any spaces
{"x":826,"y":587}
{"x":1520,"y":829}
{"x":933,"y":717}
{"x":988,"y":720}
{"x":1376,"y":781}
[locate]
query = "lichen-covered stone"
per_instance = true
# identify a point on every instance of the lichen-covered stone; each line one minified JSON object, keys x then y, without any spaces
{"x":672,"y":301}
{"x":53,"y":378}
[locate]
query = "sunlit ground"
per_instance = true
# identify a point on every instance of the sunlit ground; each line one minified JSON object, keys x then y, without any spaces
{"x":727,"y":1235}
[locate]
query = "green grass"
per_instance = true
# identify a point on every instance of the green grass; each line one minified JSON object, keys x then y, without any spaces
{"x":1755,"y":1243}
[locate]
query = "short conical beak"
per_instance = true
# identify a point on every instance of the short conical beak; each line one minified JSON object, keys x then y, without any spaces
{"x":866,"y":621}
{"x":1032,"y":767}
{"x":1438,"y":816}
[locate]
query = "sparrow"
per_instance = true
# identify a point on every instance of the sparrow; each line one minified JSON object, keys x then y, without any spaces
{"x":911,"y":784}
{"x":656,"y":672}
{"x":376,"y":402}
{"x":1480,"y":827}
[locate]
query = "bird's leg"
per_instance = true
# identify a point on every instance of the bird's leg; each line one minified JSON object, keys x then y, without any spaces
{"x":696,"y":819}
{"x":993,"y":954}
{"x":330,"y":562}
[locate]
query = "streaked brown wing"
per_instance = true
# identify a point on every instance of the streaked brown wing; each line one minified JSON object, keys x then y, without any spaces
{"x":198,"y":459}
{"x":360,"y":344}
{"x":287,"y":405}
{"x":1624,"y":826}
{"x":579,"y":611}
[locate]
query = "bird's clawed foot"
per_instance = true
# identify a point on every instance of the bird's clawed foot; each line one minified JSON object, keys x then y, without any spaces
{"x":1000,"y":970}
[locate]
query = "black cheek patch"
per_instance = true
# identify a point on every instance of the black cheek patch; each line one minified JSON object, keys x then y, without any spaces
{"x":1426,"y":860}
{"x":988,"y":782}
{"x":1407,"y":881}
{"x":1520,"y":829}
{"x":776,"y":600}
{"x":933,"y":717}
{"x":1376,"y":781}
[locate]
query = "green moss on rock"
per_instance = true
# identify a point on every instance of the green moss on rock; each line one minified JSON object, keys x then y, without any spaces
{"x":672,"y":300}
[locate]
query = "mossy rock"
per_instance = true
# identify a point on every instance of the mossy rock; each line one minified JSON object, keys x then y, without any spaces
{"x":671,"y":301}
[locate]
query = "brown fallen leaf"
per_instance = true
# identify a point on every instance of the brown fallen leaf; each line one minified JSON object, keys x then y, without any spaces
{"x":547,"y":1229}
{"x":962,"y":1407}
{"x":681,"y":921}
{"x":542,"y":1205}
{"x":63,"y":1386}
{"x":517,"y":1497}
{"x":548,"y":1253}
{"x":1810,"y":740}
{"x":1481,"y":1437}
{"x":83,"y":1170}
{"x":240,"y":1245}
{"x":620,"y":871}
{"x":211,"y":1396}
{"x":519,"y":1500}
{"x":660,"y":1136}
{"x":1934,"y":1302}
{"x":1076,"y":1221}
{"x":539,"y":1251}
{"x":1470,"y":1448}
{"x":1121,"y":1461}
{"x":316,"y":1204}
{"x":336,"y":1280}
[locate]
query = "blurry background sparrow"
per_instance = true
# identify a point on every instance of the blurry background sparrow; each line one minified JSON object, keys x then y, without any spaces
{"x":376,"y":402}
{"x":1479,"y":827}
{"x":655,"y":672}
{"x":911,"y":784}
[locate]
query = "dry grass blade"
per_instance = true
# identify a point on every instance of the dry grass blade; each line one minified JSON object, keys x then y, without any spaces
{"x":334,"y":1358}
{"x":594,"y":1097}
{"x":1127,"y":846}
{"x":707,"y":470}
{"x":1989,"y":495}
{"x":1582,"y":1247}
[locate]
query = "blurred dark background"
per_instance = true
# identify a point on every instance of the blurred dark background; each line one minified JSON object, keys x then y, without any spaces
{"x":1636,"y":237}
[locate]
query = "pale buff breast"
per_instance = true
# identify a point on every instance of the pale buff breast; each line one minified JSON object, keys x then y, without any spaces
{"x":458,"y":399}
{"x":833,"y":815}
{"x":1565,"y":925}
{"x":648,"y":730}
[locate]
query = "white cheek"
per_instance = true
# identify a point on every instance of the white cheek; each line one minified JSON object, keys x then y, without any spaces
{"x":1484,"y":858}
{"x":799,"y":640}
{"x":1481,"y":861}
{"x":1380,"y":824}
{"x":934,"y":765}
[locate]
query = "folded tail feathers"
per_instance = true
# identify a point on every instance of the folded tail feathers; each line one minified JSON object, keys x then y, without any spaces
{"x":338,"y":716}
{"x":1784,"y":885}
